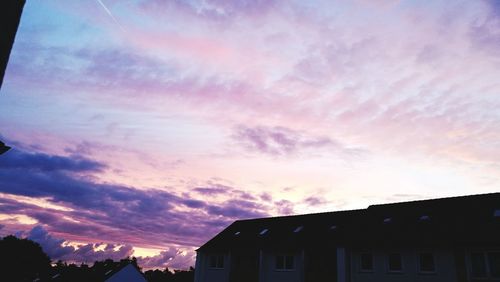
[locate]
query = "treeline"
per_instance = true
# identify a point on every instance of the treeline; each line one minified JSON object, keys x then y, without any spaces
{"x":24,"y":260}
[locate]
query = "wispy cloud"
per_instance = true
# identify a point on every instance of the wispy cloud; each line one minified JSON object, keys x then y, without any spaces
{"x":281,"y":141}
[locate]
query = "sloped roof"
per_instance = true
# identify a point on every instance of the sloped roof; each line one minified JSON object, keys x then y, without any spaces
{"x":457,"y":220}
{"x":127,"y":274}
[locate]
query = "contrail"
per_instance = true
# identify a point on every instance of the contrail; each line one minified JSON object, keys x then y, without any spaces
{"x":111,"y":15}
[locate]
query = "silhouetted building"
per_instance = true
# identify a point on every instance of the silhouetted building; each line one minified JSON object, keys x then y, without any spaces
{"x":128,"y":273}
{"x":440,"y":240}
{"x":107,"y":271}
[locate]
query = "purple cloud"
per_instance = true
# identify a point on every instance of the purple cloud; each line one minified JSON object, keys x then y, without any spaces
{"x":285,"y":207}
{"x":17,"y":159}
{"x":214,"y":190}
{"x":115,"y":213}
{"x":173,"y":258}
{"x":315,"y":201}
{"x":52,"y":247}
{"x":56,"y":250}
{"x":266,"y":197}
{"x":242,"y":209}
{"x":281,"y":141}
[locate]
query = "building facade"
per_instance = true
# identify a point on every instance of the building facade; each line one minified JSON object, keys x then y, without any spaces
{"x":449,"y":239}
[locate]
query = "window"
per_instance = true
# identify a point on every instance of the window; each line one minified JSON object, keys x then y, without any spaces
{"x":485,"y":265}
{"x":387,"y":220}
{"x":496,"y":213}
{"x":264,"y":231}
{"x":494,"y":264}
{"x":426,"y":262}
{"x":395,"y":263}
{"x":366,"y":262}
{"x":237,"y":233}
{"x":298,"y":229}
{"x":216,"y":261}
{"x":285,"y":262}
{"x":478,"y":265}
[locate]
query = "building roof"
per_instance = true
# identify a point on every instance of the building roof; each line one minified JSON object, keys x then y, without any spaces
{"x":465,"y":220}
{"x":128,"y":273}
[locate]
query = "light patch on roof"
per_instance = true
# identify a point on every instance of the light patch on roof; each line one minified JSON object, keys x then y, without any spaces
{"x":333,"y":227}
{"x":108,"y":272}
{"x":388,"y":220}
{"x":264,"y":231}
{"x":496,"y":213}
{"x":298,"y":229}
{"x":237,"y":233}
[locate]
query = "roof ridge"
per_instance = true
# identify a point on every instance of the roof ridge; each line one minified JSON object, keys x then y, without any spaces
{"x":435,"y":199}
{"x":299,"y":215}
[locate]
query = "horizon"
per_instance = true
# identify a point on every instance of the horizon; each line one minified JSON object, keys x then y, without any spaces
{"x":144,"y":128}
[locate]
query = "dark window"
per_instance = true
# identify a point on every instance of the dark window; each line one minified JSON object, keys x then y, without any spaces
{"x":280,"y":262}
{"x":426,"y":262}
{"x":289,"y":263}
{"x":216,"y":261}
{"x":494,"y":262}
{"x":284,"y":262}
{"x":395,"y":262}
{"x":478,"y":265}
{"x":366,"y":262}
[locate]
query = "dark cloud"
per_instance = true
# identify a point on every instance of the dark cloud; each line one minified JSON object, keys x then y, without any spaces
{"x":194,"y":203}
{"x":52,"y":246}
{"x":17,"y":159}
{"x":57,"y":250}
{"x":237,"y":209}
{"x":86,"y":210}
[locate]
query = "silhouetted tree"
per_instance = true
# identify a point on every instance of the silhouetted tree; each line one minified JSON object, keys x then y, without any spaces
{"x":23,"y":259}
{"x":183,"y":275}
{"x":168,"y":276}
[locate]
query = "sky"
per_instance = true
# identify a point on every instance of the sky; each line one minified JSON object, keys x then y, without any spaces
{"x":145,"y":127}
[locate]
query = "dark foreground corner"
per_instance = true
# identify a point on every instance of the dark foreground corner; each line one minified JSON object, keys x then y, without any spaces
{"x":3,"y":148}
{"x":10,"y":16}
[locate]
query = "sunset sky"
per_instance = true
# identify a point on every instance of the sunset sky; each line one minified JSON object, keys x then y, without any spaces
{"x":145,"y":127}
